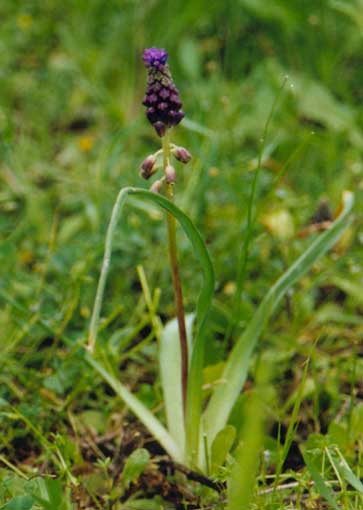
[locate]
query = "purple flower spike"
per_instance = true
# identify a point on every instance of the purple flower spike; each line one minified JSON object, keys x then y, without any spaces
{"x":162,"y":97}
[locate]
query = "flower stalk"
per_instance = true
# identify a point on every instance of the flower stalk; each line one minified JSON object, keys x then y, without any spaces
{"x":163,"y":110}
{"x":178,"y":292}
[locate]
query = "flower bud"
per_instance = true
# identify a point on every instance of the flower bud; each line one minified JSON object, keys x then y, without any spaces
{"x":160,"y":128}
{"x":181,"y":154}
{"x":148,"y":167}
{"x":156,"y":186}
{"x":170,"y":174}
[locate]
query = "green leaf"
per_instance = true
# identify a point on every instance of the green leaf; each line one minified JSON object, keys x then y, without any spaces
{"x":338,"y":433}
{"x":170,"y":372}
{"x":356,"y":426}
{"x":342,"y":466}
{"x":271,"y":11}
{"x":4,"y":403}
{"x":190,"y":58}
{"x":351,"y":288}
{"x":140,"y":410}
{"x":135,"y":466}
{"x":317,"y":102}
{"x":49,"y":493}
{"x":242,"y":479}
{"x":19,"y":503}
{"x":94,"y":419}
{"x":221,"y":446}
{"x":323,"y":489}
{"x":235,"y":372}
{"x":144,"y":504}
{"x":353,"y":10}
{"x":350,"y":477}
{"x":196,"y":127}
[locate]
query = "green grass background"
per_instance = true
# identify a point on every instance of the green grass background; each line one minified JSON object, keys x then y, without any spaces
{"x":73,"y":131}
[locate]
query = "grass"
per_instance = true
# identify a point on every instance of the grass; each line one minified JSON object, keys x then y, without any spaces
{"x":72,"y":133}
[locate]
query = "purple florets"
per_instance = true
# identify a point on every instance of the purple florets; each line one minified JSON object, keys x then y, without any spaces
{"x":155,"y":56}
{"x":162,"y":97}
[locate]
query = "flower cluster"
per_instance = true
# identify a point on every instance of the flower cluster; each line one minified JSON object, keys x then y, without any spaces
{"x":162,"y":97}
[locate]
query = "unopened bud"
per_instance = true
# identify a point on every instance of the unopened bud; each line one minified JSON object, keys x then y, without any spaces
{"x":148,"y":167}
{"x":170,"y":174}
{"x":160,"y":128}
{"x":156,"y":186}
{"x":181,"y":154}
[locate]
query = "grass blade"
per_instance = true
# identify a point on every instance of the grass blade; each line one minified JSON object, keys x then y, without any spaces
{"x":342,"y":467}
{"x":324,"y":490}
{"x":235,"y":372}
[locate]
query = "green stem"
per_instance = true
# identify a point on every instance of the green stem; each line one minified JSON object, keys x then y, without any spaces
{"x":178,"y":293}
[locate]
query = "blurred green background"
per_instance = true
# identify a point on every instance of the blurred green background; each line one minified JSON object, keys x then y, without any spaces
{"x":73,"y":131}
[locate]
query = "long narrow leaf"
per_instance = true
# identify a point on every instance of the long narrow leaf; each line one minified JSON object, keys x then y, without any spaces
{"x":170,"y":373}
{"x":138,"y":408}
{"x":242,"y":478}
{"x":235,"y":372}
{"x":194,"y":392}
{"x":342,"y":467}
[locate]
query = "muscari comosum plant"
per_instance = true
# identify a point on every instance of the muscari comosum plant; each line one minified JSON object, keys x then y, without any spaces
{"x":192,"y":425}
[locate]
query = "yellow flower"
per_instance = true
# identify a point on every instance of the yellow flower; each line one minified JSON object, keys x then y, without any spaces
{"x":86,"y":143}
{"x":24,"y":21}
{"x":213,"y":171}
{"x":230,"y":288}
{"x":279,"y":223}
